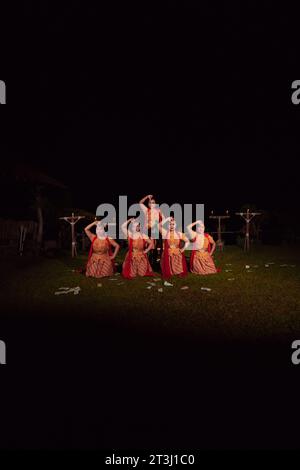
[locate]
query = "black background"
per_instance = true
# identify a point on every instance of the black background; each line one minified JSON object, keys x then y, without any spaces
{"x":192,"y":104}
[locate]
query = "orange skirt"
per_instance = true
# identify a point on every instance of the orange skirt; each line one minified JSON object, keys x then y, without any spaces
{"x":139,"y":265}
{"x":99,"y":266}
{"x":203,"y":263}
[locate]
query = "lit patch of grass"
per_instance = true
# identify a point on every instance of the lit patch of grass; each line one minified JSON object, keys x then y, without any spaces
{"x":262,"y":301}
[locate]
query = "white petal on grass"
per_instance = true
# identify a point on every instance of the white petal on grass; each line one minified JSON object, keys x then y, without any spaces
{"x":160,"y":290}
{"x":207,"y":289}
{"x":184,"y":287}
{"x":247,"y":266}
{"x":149,"y":287}
{"x":168,"y":284}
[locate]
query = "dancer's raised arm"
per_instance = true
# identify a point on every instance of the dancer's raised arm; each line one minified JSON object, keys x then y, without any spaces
{"x":87,"y":229}
{"x":143,"y":200}
{"x":162,"y":230}
{"x":191,"y":232}
{"x":124,"y":227}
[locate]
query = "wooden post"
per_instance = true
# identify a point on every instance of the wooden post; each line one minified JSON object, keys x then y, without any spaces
{"x":247,"y":216}
{"x":219,"y":242}
{"x":72,"y":220}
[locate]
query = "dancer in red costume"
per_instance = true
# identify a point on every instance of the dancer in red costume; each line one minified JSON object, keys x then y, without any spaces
{"x":136,"y":262}
{"x":201,"y":261}
{"x":101,"y":258}
{"x":173,"y":261}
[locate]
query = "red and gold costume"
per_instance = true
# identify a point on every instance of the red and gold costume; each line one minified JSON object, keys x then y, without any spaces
{"x":201,"y":261}
{"x":173,"y":262}
{"x":99,"y":263}
{"x":136,"y":262}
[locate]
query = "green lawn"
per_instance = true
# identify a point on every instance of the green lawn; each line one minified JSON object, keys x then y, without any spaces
{"x":257,"y":302}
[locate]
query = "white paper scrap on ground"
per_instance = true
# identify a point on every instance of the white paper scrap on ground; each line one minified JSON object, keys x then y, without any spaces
{"x":184,"y":287}
{"x":168,"y":284}
{"x":160,"y":290}
{"x":208,"y":289}
{"x":66,"y":290}
{"x":247,"y":266}
{"x":149,"y":287}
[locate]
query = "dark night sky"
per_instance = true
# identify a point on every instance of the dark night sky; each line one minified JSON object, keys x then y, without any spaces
{"x":190,"y":104}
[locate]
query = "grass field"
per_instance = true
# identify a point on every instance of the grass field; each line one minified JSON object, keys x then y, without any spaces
{"x":261,"y":301}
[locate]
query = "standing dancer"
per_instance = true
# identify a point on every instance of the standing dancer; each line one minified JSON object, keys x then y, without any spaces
{"x":101,"y":259}
{"x":136,"y":262}
{"x":153,"y":217}
{"x":201,"y":261}
{"x":173,"y":261}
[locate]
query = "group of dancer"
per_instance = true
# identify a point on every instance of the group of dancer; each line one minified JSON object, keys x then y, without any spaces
{"x":143,"y":247}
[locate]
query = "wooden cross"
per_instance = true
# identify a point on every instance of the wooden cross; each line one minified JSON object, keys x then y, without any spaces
{"x":72,"y":220}
{"x":219,"y":218}
{"x":247,"y":216}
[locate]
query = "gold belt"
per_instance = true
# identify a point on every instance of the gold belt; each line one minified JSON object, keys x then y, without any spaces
{"x":174,"y":251}
{"x":136,"y":253}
